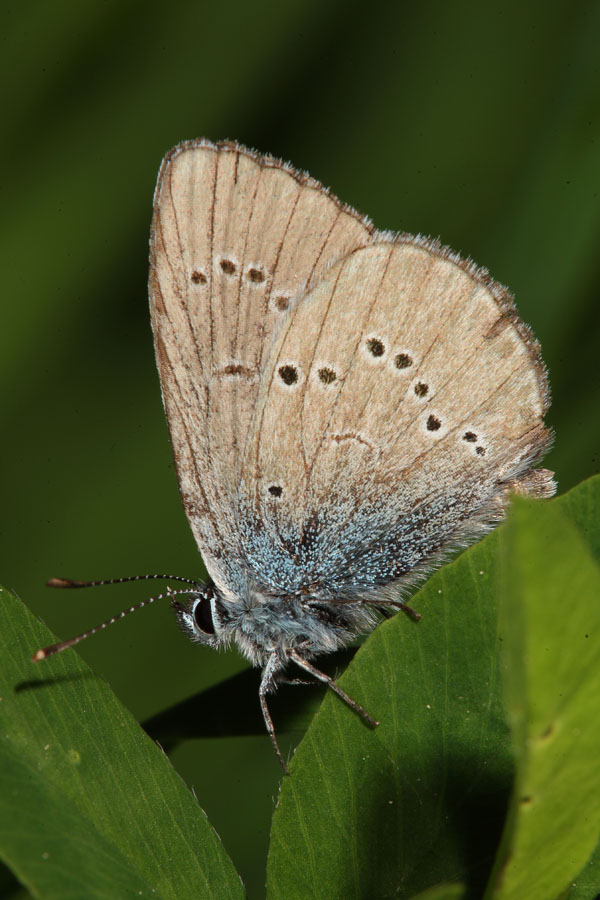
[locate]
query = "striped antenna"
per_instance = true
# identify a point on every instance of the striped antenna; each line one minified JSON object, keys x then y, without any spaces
{"x":70,"y":583}
{"x":45,"y":652}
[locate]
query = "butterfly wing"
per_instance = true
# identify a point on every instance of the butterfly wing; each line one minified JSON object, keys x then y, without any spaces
{"x":236,"y":238}
{"x":403,"y":398}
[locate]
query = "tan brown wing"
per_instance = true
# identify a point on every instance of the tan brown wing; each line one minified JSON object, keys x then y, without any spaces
{"x":402,"y":398}
{"x":236,"y":239}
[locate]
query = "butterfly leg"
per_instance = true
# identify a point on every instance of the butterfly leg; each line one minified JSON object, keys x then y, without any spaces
{"x":411,"y":613}
{"x":390,"y":611}
{"x":386,"y":612}
{"x":266,"y":683}
{"x":295,"y":657}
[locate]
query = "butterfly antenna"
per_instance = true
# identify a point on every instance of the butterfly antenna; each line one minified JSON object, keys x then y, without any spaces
{"x":71,"y":583}
{"x":45,"y":652}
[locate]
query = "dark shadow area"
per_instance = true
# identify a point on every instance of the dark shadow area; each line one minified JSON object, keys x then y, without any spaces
{"x":9,"y":885}
{"x":474,"y":798}
{"x":231,"y":708}
{"x":33,"y":684}
{"x":477,"y":809}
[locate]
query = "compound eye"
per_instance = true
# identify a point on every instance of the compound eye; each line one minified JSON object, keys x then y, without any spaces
{"x":202,"y":613}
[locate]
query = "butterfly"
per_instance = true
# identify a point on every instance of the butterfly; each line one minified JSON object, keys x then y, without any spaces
{"x":345,"y":405}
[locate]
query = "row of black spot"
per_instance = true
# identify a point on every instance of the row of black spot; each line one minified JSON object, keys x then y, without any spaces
{"x":229,"y":268}
{"x":255,"y":275}
{"x":376,"y":348}
{"x":289,"y":376}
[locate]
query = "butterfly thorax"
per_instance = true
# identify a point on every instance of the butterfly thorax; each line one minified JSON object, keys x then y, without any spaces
{"x":262,"y":624}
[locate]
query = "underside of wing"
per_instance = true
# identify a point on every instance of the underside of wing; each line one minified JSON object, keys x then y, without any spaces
{"x":404,"y":397}
{"x":236,"y":240}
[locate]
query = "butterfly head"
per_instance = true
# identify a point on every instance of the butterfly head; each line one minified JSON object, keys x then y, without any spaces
{"x":201,"y":616}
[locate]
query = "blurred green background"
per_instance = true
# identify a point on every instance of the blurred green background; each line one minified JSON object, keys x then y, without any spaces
{"x":475,"y":122}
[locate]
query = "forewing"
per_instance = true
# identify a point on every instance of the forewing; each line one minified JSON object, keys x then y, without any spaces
{"x":401,"y":401}
{"x":236,"y":239}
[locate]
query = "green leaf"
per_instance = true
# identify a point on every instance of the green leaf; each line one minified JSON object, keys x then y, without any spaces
{"x":89,"y":806}
{"x":550,"y":618}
